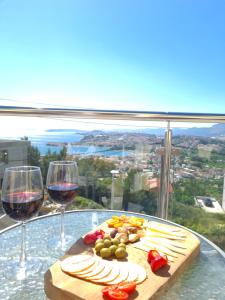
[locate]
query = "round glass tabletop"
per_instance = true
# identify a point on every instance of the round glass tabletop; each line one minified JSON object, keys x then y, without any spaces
{"x":204,"y":279}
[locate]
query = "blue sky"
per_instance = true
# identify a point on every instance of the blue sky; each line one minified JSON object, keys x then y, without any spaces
{"x":121,"y":54}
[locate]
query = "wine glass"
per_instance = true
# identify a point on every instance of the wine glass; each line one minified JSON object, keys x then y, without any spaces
{"x":22,"y":198}
{"x":62,"y":185}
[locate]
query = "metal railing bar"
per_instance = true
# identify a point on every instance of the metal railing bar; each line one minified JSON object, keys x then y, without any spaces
{"x":112,"y":114}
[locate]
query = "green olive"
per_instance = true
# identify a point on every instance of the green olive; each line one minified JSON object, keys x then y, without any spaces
{"x":113,"y":249}
{"x":115,"y":242}
{"x":99,"y":241}
{"x":122,"y":245}
{"x":105,"y":252}
{"x":120,"y":252}
{"x":107,"y":243}
{"x":107,"y":237}
{"x":99,"y":246}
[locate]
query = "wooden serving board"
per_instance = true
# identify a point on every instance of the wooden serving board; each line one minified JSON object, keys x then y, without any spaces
{"x":61,"y":286}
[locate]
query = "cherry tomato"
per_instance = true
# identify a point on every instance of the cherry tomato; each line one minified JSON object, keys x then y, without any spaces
{"x":105,"y":290}
{"x":117,"y":295}
{"x":128,"y":287}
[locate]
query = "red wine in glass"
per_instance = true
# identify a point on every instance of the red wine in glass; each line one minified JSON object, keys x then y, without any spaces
{"x":22,"y":206}
{"x":62,"y":192}
{"x":22,"y":197}
{"x":62,"y":185}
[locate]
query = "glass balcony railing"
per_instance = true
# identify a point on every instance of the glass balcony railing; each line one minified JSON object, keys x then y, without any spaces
{"x":137,"y":161}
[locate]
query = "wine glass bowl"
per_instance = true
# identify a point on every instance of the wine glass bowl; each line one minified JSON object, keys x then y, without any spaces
{"x":62,"y":186}
{"x":22,"y":198}
{"x":62,"y":193}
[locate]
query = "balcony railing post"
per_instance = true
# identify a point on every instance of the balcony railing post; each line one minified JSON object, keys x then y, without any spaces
{"x":223,"y":201}
{"x":163,"y":201}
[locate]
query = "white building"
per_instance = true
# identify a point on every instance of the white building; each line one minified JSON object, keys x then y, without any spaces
{"x":12,"y":153}
{"x":209,"y":204}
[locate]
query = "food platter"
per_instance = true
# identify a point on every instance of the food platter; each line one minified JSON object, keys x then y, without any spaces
{"x":82,"y":273}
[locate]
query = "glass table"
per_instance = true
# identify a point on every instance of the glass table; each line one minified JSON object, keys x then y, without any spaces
{"x":204,"y":279}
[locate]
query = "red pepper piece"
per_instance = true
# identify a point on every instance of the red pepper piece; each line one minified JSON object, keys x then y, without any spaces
{"x":99,"y":232}
{"x":152,"y":254}
{"x":92,"y":237}
{"x":158,"y":262}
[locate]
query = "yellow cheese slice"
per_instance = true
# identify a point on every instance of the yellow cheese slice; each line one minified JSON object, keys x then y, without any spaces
{"x":158,"y":247}
{"x":146,"y":248}
{"x":166,"y":229}
{"x":168,"y":246}
{"x":164,"y":241}
{"x":151,"y":233}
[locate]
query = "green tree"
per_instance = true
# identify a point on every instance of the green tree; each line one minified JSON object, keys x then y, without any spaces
{"x":147,"y":199}
{"x":95,"y":167}
{"x":96,"y":171}
{"x":210,"y":225}
{"x":186,"y":189}
{"x":51,"y":156}
{"x":34,"y":156}
{"x":81,"y":203}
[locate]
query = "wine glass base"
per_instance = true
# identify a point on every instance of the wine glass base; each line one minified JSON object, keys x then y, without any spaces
{"x":16,"y":272}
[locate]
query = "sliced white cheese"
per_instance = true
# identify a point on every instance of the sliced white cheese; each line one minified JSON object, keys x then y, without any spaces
{"x":142,"y":275}
{"x":98,"y":268}
{"x":77,"y":263}
{"x":105,"y":272}
{"x":133,"y":274}
{"x":123,"y":275}
{"x":111,"y":276}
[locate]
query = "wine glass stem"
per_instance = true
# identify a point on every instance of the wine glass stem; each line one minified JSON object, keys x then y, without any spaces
{"x":23,"y":245}
{"x":62,"y":234}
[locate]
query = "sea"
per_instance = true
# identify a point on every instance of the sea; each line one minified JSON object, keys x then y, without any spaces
{"x":42,"y":143}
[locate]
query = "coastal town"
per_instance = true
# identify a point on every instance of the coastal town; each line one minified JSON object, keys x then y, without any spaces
{"x":198,"y":158}
{"x":191,"y":157}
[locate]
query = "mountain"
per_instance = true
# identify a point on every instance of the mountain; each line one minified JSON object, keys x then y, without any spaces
{"x":213,"y":131}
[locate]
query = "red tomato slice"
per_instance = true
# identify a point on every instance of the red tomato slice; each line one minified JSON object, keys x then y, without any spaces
{"x":105,"y":290}
{"x":117,"y":295}
{"x":128,"y":287}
